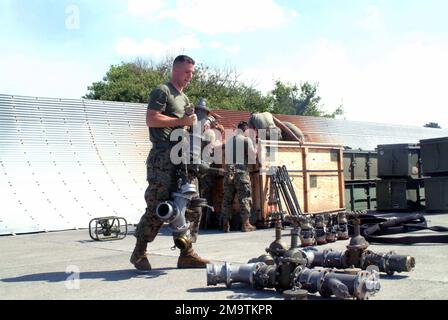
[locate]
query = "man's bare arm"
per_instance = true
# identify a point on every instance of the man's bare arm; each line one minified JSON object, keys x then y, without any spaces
{"x":155,"y":119}
{"x":288,"y":131}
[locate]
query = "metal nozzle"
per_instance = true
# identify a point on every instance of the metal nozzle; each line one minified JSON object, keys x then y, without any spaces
{"x":389,"y":262}
{"x":182,"y":242}
{"x":166,"y":210}
{"x":227,"y":273}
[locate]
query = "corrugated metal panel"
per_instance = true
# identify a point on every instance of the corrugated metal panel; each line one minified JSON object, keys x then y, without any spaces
{"x":355,"y":134}
{"x":64,"y":162}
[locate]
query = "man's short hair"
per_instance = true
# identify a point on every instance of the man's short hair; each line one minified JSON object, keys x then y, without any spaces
{"x":242,"y":124}
{"x":183,"y":58}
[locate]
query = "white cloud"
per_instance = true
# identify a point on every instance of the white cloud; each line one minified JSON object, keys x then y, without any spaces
{"x":406,"y":84}
{"x":373,"y":21}
{"x":217,"y":16}
{"x":155,"y":48}
{"x":145,"y":8}
{"x":185,"y":42}
{"x":233,"y":49}
{"x":215,"y":44}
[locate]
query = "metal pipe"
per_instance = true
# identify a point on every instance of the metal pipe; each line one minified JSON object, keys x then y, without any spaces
{"x":173,"y":212}
{"x":360,"y":286}
{"x":292,"y":190}
{"x":388,"y":262}
{"x":230,"y":273}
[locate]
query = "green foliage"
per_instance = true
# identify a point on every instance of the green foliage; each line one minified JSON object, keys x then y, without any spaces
{"x":223,"y":90}
{"x":133,"y":81}
{"x":433,"y":125}
{"x":303,"y":100}
{"x":129,"y":82}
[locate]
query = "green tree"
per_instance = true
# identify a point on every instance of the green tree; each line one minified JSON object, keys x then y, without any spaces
{"x":132,"y":82}
{"x":223,"y":89}
{"x":129,"y":82}
{"x":292,"y":99}
{"x":432,"y":125}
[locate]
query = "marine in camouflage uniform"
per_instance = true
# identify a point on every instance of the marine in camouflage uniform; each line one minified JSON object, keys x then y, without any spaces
{"x":237,"y":181}
{"x":265,"y":120}
{"x":161,"y":172}
{"x":210,"y":140}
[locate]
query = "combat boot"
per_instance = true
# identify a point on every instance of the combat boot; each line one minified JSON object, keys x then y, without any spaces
{"x":247,"y":227}
{"x":226,"y":225}
{"x":189,"y":259}
{"x":138,"y":257}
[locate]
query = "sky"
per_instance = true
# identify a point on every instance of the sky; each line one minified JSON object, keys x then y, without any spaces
{"x":383,"y":60}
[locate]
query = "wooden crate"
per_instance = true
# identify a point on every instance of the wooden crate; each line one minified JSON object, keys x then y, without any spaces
{"x":316,"y":170}
{"x":317,"y":174}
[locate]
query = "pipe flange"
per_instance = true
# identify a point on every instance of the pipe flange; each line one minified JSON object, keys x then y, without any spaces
{"x":295,"y":294}
{"x":228,"y":271}
{"x":366,"y":284}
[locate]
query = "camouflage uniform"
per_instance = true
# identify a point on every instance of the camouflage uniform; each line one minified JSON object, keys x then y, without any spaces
{"x":237,"y":180}
{"x":162,"y":181}
{"x":265,"y":120}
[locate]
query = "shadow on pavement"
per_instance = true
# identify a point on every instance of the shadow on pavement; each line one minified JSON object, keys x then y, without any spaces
{"x":242,"y":291}
{"x":115,"y":275}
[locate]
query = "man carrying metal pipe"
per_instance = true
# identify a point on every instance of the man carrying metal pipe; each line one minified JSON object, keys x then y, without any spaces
{"x":166,"y":112}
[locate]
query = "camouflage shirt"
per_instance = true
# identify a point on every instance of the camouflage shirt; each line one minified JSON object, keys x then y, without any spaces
{"x":263,"y":120}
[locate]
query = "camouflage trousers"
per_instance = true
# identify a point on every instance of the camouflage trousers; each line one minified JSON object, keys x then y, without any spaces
{"x":237,"y":181}
{"x":206,"y":185}
{"x":162,"y":182}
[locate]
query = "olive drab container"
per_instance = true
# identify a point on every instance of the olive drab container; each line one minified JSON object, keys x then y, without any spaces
{"x":436,"y":190}
{"x":360,"y":175}
{"x":434,"y":153}
{"x":400,"y":194}
{"x":399,"y":160}
{"x":360,"y":165}
{"x":401,"y":187}
{"x":360,"y":195}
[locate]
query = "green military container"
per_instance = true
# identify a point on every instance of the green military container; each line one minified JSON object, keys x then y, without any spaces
{"x":360,"y":195}
{"x":360,"y":165}
{"x":434,"y":154}
{"x":436,"y":193}
{"x":400,"y":195}
{"x":399,"y":161}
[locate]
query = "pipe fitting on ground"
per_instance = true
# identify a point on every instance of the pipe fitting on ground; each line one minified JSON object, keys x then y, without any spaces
{"x":326,"y":258}
{"x":331,"y":234}
{"x":307,"y":233}
{"x":388,"y":262}
{"x":342,"y":226}
{"x":321,"y":237}
{"x":286,"y":264}
{"x":228,"y":274}
{"x":344,"y":286}
{"x":277,"y":248}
